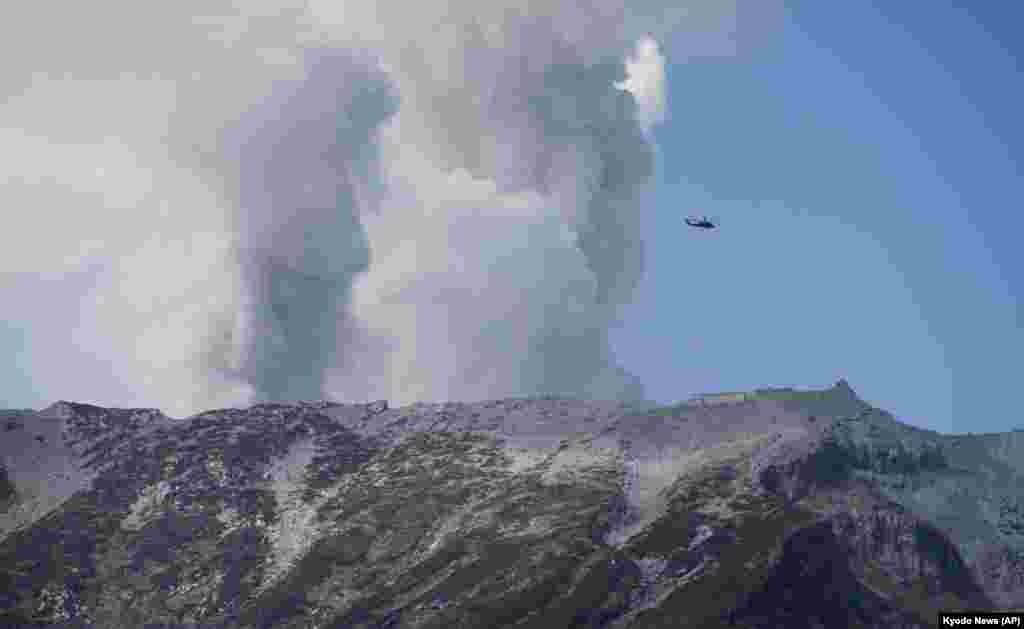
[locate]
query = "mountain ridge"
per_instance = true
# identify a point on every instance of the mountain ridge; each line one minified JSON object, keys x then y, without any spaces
{"x":521,"y":512}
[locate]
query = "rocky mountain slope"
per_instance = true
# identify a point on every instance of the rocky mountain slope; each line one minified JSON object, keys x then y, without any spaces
{"x":780,"y":509}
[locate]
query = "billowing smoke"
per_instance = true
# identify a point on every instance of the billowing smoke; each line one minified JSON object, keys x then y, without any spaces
{"x":219,"y":204}
{"x":306,"y":160}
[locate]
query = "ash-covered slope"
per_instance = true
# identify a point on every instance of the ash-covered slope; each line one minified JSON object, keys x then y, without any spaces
{"x":777,"y":508}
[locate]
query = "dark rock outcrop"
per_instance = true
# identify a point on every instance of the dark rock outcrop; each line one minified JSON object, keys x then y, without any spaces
{"x":533,"y":513}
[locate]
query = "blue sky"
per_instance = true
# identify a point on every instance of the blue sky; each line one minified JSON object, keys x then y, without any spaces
{"x":865,"y":164}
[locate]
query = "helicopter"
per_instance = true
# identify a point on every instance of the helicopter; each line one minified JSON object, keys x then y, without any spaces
{"x":702,"y":223}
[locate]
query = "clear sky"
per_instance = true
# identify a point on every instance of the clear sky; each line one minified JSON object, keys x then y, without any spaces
{"x":209,"y":204}
{"x":867,"y":166}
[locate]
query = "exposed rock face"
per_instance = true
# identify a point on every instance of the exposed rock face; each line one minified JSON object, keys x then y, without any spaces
{"x":783,"y":509}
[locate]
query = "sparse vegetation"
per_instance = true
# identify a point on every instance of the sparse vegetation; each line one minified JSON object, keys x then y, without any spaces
{"x":435,"y":528}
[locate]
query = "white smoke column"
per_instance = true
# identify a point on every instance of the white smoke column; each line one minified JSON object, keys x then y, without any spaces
{"x":646,"y":71}
{"x":208,"y":203}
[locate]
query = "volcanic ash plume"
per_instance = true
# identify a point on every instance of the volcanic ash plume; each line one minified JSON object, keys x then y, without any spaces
{"x":421,"y":201}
